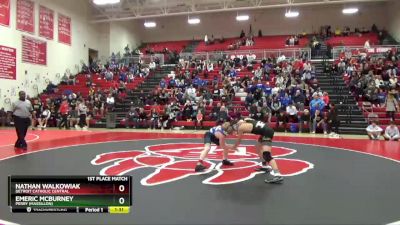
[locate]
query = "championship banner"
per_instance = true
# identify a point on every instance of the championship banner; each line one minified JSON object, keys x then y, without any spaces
{"x":46,"y":23}
{"x":5,"y":12}
{"x":70,"y":194}
{"x":34,"y":51}
{"x":64,"y":29}
{"x":26,"y":16}
{"x":8,"y":63}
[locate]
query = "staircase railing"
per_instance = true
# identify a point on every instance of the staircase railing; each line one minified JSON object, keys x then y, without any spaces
{"x":355,"y":50}
{"x":250,"y":54}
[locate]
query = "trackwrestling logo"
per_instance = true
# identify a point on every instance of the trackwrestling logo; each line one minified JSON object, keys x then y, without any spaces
{"x":175,"y":161}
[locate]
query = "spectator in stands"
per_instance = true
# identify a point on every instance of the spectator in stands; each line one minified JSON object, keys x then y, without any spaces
{"x":110,"y":103}
{"x":266,"y":113}
{"x":154,"y":119}
{"x":318,"y":121}
{"x":206,"y":39}
{"x":44,"y":117}
{"x":131,"y":77}
{"x":71,"y":79}
{"x":82,"y":113}
{"x":276,"y":106}
{"x":333,"y":121}
{"x":392,"y":132}
{"x":393,"y":81}
{"x":305,"y":119}
{"x":142,"y":97}
{"x":37,"y":110}
{"x":73,"y":112}
{"x":64,"y":79}
{"x":152,"y":65}
{"x":121,"y":86}
{"x":163,"y":97}
{"x":392,"y":106}
{"x":123,"y":77}
{"x":199,"y":119}
{"x":51,"y":88}
{"x":299,"y":100}
{"x":190,"y":93}
{"x":216,"y":93}
{"x":249,"y":100}
{"x":258,"y":73}
{"x":346,"y":31}
{"x":374,"y":131}
{"x":242,"y":34}
{"x":282,"y":120}
{"x":187,"y":110}
{"x":316,"y":104}
{"x":163,"y":84}
{"x":98,"y":107}
{"x":215,"y":111}
{"x":142,"y":121}
{"x":109,"y":75}
{"x":63,"y":110}
{"x":212,"y":39}
{"x":325,"y":98}
{"x":291,"y":112}
{"x":285,"y":101}
{"x":3,"y":117}
{"x":222,"y":115}
{"x":367,"y":45}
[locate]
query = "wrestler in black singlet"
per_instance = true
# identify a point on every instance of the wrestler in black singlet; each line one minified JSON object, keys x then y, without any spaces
{"x":260,"y":128}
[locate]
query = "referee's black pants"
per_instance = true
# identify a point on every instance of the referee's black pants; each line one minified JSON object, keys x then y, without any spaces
{"x":21,"y":126}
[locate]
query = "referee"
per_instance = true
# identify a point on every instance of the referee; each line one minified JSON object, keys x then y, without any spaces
{"x":22,"y":109}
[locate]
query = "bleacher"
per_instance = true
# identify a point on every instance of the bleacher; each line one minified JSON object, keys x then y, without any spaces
{"x":353,"y":40}
{"x":238,"y":103}
{"x":266,"y":42}
{"x":177,"y":46}
{"x":373,"y":111}
{"x":80,"y":87}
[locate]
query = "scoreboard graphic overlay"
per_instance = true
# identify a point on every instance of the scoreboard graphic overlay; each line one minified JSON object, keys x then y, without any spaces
{"x":72,"y":194}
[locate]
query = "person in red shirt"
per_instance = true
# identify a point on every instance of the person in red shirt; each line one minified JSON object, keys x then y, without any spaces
{"x":325,"y":98}
{"x":63,"y":110}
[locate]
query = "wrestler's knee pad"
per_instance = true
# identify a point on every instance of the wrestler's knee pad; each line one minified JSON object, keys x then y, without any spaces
{"x":267,"y":156}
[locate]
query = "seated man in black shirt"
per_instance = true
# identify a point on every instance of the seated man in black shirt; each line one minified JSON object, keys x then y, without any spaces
{"x":142,"y":121}
{"x":257,"y":115}
{"x":222,"y":115}
{"x":132,"y":118}
{"x":3,"y":117}
{"x":333,"y":121}
{"x":215,"y":111}
{"x":319,"y":121}
{"x":282,"y":120}
{"x":304,"y":122}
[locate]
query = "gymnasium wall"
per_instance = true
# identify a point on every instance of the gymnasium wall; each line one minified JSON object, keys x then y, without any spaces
{"x":393,"y":9}
{"x":271,"y":21}
{"x":59,"y":56}
{"x":123,"y":33}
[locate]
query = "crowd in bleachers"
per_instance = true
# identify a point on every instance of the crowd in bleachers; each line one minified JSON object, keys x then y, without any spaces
{"x":82,"y":99}
{"x":374,"y":81}
{"x":285,"y":94}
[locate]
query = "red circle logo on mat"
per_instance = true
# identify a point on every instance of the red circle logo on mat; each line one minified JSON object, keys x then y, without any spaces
{"x":175,"y":161}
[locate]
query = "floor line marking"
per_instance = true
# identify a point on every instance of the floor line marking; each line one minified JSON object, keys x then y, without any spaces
{"x":67,"y":146}
{"x":37,"y":137}
{"x":7,"y":222}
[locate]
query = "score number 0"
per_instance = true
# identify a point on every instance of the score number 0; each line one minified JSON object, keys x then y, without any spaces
{"x":121,"y":188}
